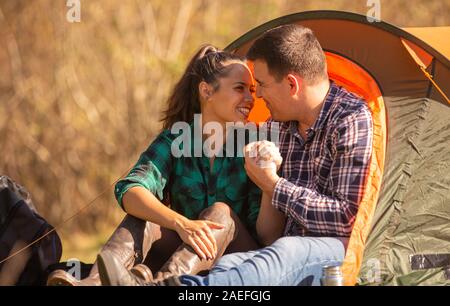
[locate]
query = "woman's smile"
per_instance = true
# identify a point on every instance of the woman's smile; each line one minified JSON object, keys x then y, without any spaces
{"x":244,"y":110}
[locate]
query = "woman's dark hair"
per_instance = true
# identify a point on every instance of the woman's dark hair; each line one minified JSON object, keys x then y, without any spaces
{"x":208,"y":64}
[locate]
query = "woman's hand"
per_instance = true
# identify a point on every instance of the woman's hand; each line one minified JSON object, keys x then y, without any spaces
{"x":261,"y":163}
{"x":198,"y":234}
{"x":141,"y":203}
{"x":266,"y":154}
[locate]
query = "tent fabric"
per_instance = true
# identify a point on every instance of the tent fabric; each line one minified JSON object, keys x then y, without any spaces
{"x":436,"y":37}
{"x":422,"y":58}
{"x":412,"y":210}
{"x":355,"y":79}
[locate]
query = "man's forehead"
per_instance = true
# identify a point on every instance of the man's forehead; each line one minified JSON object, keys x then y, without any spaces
{"x":261,"y":70}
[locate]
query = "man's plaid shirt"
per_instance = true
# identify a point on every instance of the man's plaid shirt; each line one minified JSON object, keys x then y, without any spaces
{"x":322,"y":177}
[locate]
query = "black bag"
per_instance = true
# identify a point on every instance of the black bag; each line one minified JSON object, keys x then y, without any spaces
{"x":20,"y":224}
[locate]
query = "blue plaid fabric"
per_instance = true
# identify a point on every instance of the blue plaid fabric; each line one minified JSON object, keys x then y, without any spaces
{"x":322,"y":177}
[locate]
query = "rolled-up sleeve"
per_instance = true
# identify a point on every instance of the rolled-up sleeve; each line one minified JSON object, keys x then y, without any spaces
{"x":151,"y":171}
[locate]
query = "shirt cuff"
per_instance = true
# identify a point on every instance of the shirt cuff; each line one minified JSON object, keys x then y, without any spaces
{"x":121,"y":192}
{"x":285,"y":198}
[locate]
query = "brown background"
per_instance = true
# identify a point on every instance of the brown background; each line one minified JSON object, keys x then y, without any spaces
{"x":80,"y":101}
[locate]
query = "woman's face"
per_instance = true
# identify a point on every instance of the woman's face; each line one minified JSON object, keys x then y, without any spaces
{"x":233,"y":101}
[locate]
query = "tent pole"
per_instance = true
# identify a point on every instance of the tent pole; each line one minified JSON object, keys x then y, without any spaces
{"x":430,"y":77}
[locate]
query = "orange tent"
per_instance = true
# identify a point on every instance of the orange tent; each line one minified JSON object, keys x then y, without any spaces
{"x":404,"y":77}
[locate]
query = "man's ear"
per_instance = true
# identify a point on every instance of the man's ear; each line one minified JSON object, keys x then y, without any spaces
{"x":295,"y":83}
{"x":205,"y":90}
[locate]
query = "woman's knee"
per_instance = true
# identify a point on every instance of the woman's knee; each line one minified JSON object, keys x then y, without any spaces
{"x":221,"y":206}
{"x":218,"y":210}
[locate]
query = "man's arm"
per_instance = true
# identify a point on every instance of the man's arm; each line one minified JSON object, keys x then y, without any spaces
{"x":270,"y":223}
{"x":333,"y":215}
{"x":318,"y":213}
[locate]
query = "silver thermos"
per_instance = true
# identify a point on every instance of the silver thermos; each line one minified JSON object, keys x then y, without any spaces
{"x":332,"y":276}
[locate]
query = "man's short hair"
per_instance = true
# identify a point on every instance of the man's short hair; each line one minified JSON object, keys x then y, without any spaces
{"x":291,"y":49}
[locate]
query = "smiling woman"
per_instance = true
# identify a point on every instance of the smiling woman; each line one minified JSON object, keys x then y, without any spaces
{"x":231,"y":99}
{"x":203,"y":205}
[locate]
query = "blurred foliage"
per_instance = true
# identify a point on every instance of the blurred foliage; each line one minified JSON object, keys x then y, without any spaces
{"x":80,"y":101}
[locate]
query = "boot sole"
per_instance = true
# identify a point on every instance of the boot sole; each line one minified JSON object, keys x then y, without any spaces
{"x":104,"y":262}
{"x":61,"y":278}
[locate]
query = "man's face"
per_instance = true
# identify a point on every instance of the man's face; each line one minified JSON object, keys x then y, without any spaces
{"x":275,"y":94}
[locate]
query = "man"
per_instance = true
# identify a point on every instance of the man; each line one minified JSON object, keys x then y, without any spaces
{"x":326,"y":144}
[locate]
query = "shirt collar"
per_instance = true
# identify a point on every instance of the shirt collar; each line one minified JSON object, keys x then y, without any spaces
{"x":329,"y":99}
{"x":324,"y":112}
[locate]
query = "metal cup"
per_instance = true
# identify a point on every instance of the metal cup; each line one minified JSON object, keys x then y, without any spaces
{"x":332,"y":276}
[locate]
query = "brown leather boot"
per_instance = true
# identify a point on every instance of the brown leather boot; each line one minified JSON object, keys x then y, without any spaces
{"x":129,"y":243}
{"x":113,"y":273}
{"x":186,"y":261}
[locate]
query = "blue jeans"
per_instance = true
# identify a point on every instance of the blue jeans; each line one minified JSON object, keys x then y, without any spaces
{"x":289,"y":261}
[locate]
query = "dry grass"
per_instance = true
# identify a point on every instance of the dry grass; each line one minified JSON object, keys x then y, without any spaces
{"x":84,"y":246}
{"x":79,"y":102}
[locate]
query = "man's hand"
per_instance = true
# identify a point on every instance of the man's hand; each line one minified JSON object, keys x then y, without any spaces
{"x":267,"y":154}
{"x":262,"y":159}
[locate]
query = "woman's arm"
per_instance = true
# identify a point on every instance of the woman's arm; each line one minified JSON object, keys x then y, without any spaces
{"x":270,"y":223}
{"x":141,"y":203}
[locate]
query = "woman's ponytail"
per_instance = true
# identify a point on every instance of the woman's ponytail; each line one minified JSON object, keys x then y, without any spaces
{"x":184,"y":101}
{"x":208,"y":64}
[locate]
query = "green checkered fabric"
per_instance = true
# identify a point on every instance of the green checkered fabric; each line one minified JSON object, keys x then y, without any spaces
{"x":190,"y":185}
